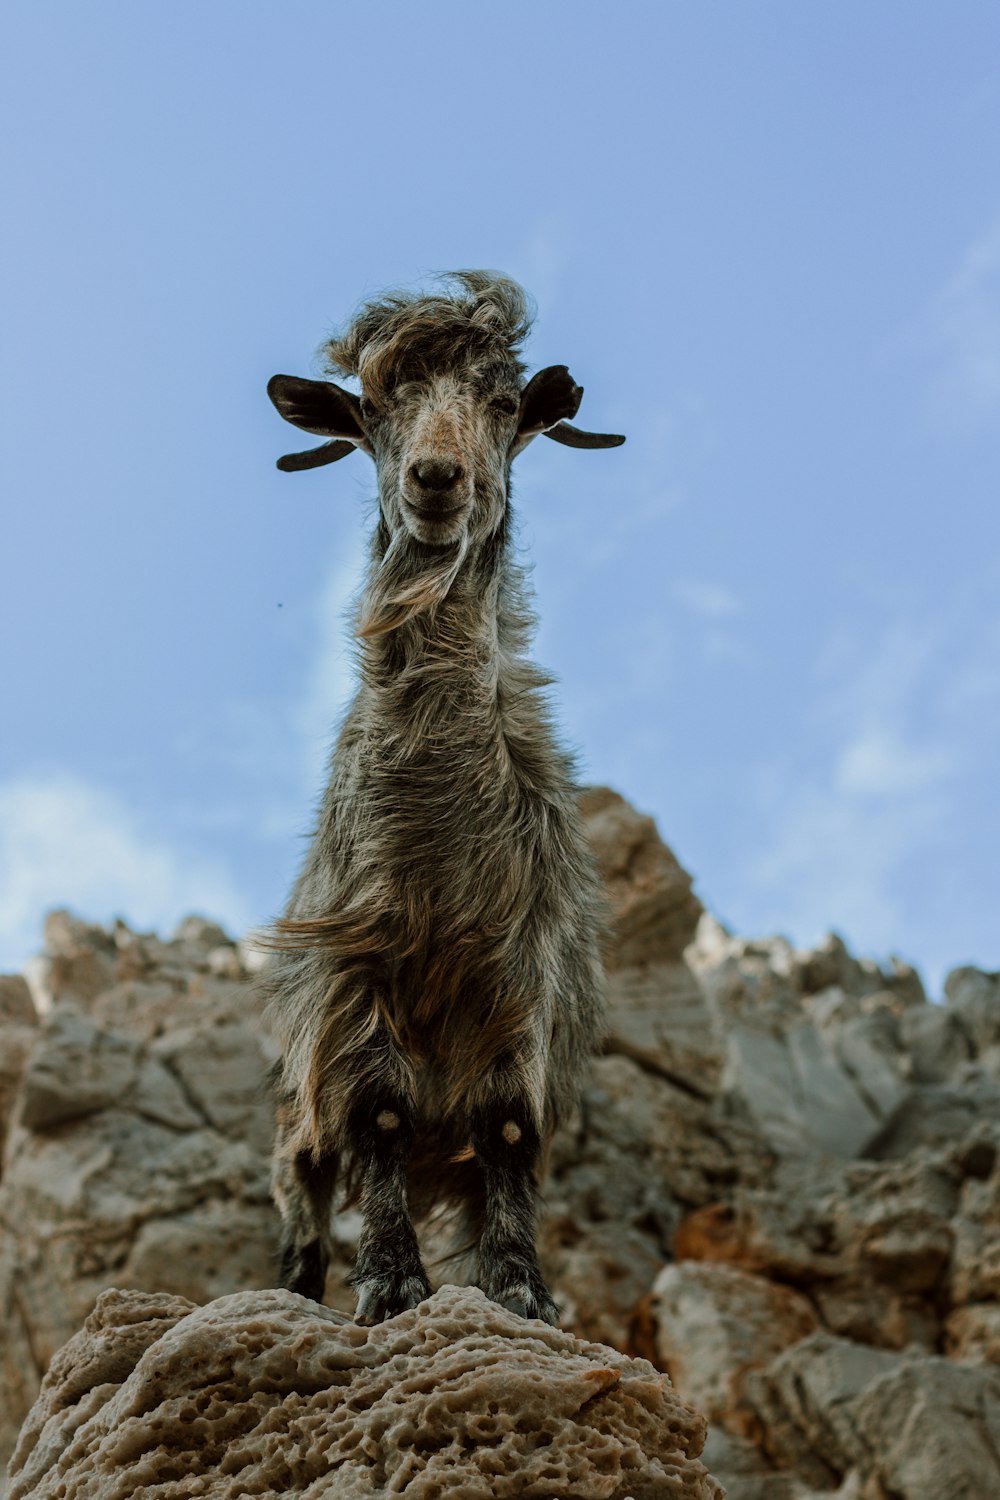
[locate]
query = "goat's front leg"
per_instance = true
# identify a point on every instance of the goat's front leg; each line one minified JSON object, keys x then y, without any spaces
{"x":303,"y":1190}
{"x":506,"y":1142}
{"x":389,"y":1276}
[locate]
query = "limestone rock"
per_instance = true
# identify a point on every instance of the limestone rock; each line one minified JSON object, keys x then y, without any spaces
{"x":975,"y":1260}
{"x":658,"y":1016}
{"x":16,"y":1004}
{"x":653,"y":909}
{"x":804,"y":1401}
{"x":870,"y":1244}
{"x":935,"y":1116}
{"x":746,"y":981}
{"x":619,"y":1260}
{"x":269,"y":1394}
{"x":974,"y":996}
{"x":714,"y":1324}
{"x":77,"y":1070}
{"x":930,"y":1428}
{"x":811,"y":1139}
{"x":18,"y":1030}
{"x":917,"y":1427}
{"x":830,"y":964}
{"x":688,"y":1151}
{"x":125,"y":1164}
{"x":799,"y":1093}
{"x":745,"y":1474}
{"x":937,"y":1042}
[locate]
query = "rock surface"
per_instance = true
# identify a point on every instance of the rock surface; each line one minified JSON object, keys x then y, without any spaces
{"x":269,"y":1394}
{"x":783,"y":1186}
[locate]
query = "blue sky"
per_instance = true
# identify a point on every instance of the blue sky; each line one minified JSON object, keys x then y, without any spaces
{"x":766,"y":238}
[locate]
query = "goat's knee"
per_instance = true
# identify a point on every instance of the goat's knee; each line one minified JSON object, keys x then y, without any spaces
{"x":379,"y":1128}
{"x":504,"y":1136}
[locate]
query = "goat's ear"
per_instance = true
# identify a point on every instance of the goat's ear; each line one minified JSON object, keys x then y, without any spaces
{"x":548,"y":398}
{"x":575,"y":437}
{"x":321,"y":407}
{"x":546,"y":401}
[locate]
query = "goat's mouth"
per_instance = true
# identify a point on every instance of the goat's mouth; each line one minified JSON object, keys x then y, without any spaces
{"x":435,"y":523}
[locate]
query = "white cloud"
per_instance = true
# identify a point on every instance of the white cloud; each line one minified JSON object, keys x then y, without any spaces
{"x":834,"y":862}
{"x":67,"y":842}
{"x":859,"y":816}
{"x":877,"y":762}
{"x":965,"y":329}
{"x":710,"y":600}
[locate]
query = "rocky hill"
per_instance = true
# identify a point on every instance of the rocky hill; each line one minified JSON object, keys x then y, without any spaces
{"x":782,"y":1190}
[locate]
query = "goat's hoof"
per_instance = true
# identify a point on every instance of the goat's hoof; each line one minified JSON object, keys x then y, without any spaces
{"x":381,"y":1297}
{"x":529,"y":1302}
{"x":303,"y":1269}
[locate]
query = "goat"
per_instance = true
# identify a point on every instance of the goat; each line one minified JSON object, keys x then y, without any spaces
{"x":436,"y":984}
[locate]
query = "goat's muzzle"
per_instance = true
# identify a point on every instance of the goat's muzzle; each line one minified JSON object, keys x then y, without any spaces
{"x":436,"y":475}
{"x":437,"y":496}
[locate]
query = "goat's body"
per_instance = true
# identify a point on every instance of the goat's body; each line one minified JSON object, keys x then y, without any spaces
{"x":447,"y":893}
{"x":436,"y":988}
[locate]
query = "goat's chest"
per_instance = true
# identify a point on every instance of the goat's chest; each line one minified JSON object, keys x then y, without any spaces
{"x":455,"y":834}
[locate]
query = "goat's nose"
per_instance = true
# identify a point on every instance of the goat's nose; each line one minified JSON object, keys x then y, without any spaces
{"x":436,"y":473}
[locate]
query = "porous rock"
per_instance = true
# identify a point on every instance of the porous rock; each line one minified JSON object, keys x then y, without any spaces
{"x":268,"y":1394}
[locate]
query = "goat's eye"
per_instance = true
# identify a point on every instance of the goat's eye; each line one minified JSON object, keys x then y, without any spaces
{"x":505,"y":403}
{"x":372,"y":412}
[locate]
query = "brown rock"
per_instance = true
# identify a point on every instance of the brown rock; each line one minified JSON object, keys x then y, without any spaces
{"x":16,"y":1004}
{"x":717,"y":1232}
{"x":82,"y":960}
{"x":870,"y":1244}
{"x":652,"y":907}
{"x":975,"y":1264}
{"x":600,"y":1282}
{"x":973,"y":1333}
{"x":18,"y":1030}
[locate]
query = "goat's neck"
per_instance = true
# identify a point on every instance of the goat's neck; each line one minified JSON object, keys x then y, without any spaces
{"x":474,"y":638}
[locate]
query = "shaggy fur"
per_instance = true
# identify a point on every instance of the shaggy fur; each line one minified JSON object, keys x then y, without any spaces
{"x":437,"y":985}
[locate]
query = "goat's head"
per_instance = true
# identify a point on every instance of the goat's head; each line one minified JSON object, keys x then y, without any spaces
{"x":443,"y":409}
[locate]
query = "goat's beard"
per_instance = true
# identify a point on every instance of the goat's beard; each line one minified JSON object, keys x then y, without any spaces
{"x":412,"y":577}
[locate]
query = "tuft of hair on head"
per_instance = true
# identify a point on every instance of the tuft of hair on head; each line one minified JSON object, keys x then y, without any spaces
{"x":405,"y":335}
